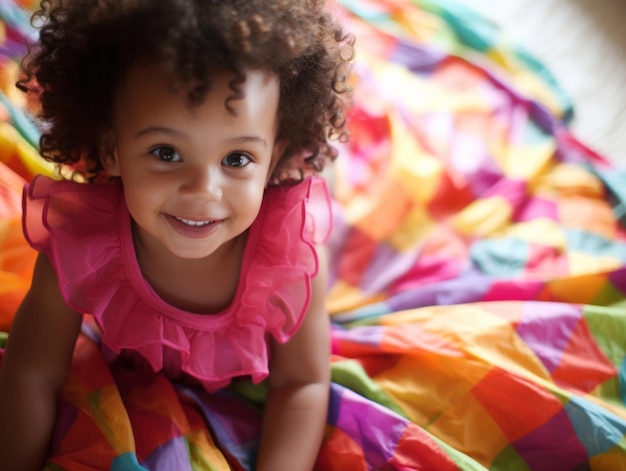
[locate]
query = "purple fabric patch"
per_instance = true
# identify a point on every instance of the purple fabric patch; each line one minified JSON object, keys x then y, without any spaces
{"x":235,"y":423}
{"x":376,"y":430}
{"x":367,"y":335}
{"x":618,"y":279}
{"x":171,"y":455}
{"x":417,"y":59}
{"x":547,"y":328}
{"x":385,"y":267}
{"x":552,"y":446}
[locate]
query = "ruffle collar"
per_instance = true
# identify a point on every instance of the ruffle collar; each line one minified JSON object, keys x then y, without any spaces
{"x":86,"y":232}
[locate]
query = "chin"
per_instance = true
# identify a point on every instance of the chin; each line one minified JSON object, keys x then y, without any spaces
{"x":192,"y":254}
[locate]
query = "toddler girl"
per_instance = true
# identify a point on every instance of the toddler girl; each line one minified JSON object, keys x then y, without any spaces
{"x":190,"y":224}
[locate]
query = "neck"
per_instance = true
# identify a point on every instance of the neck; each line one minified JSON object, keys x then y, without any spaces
{"x":205,"y":285}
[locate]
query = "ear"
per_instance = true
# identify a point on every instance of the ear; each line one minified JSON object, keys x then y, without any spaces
{"x":279,"y":149}
{"x":108,"y":155}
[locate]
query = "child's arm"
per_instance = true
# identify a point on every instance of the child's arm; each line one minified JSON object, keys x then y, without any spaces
{"x":296,"y":409}
{"x":36,"y":361}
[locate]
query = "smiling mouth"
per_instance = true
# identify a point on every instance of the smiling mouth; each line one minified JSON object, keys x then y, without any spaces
{"x":191,"y":223}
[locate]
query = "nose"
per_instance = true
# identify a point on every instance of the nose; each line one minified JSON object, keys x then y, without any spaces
{"x":202,"y":183}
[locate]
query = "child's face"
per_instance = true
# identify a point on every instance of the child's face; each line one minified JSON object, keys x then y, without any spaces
{"x":193,"y":177}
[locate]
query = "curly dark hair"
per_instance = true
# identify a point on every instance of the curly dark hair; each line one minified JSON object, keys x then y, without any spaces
{"x":86,"y":46}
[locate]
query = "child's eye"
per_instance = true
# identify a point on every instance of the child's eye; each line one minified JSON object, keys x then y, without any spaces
{"x":236,"y":159}
{"x":166,"y":154}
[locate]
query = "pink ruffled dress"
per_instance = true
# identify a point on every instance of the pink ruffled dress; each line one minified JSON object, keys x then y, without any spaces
{"x":86,"y":231}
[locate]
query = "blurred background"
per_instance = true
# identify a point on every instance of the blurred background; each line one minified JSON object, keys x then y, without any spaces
{"x":583,"y":43}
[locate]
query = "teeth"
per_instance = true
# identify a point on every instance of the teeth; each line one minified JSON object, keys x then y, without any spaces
{"x":193,"y":223}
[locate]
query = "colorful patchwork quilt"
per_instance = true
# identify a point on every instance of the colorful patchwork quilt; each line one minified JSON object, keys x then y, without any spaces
{"x":478,"y":274}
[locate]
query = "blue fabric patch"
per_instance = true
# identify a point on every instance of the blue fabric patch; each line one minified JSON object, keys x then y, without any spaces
{"x":127,"y":462}
{"x":597,"y":430}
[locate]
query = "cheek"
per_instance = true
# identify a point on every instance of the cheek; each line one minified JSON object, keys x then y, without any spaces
{"x":143,"y":181}
{"x":249,"y":197}
{"x":144,"y":196}
{"x":140,"y":204}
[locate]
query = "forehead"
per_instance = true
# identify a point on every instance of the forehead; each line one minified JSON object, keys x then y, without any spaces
{"x":147,"y":93}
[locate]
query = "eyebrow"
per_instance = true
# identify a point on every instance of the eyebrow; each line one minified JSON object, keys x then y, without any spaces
{"x":174,"y":133}
{"x":249,"y":139}
{"x":158,"y":130}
